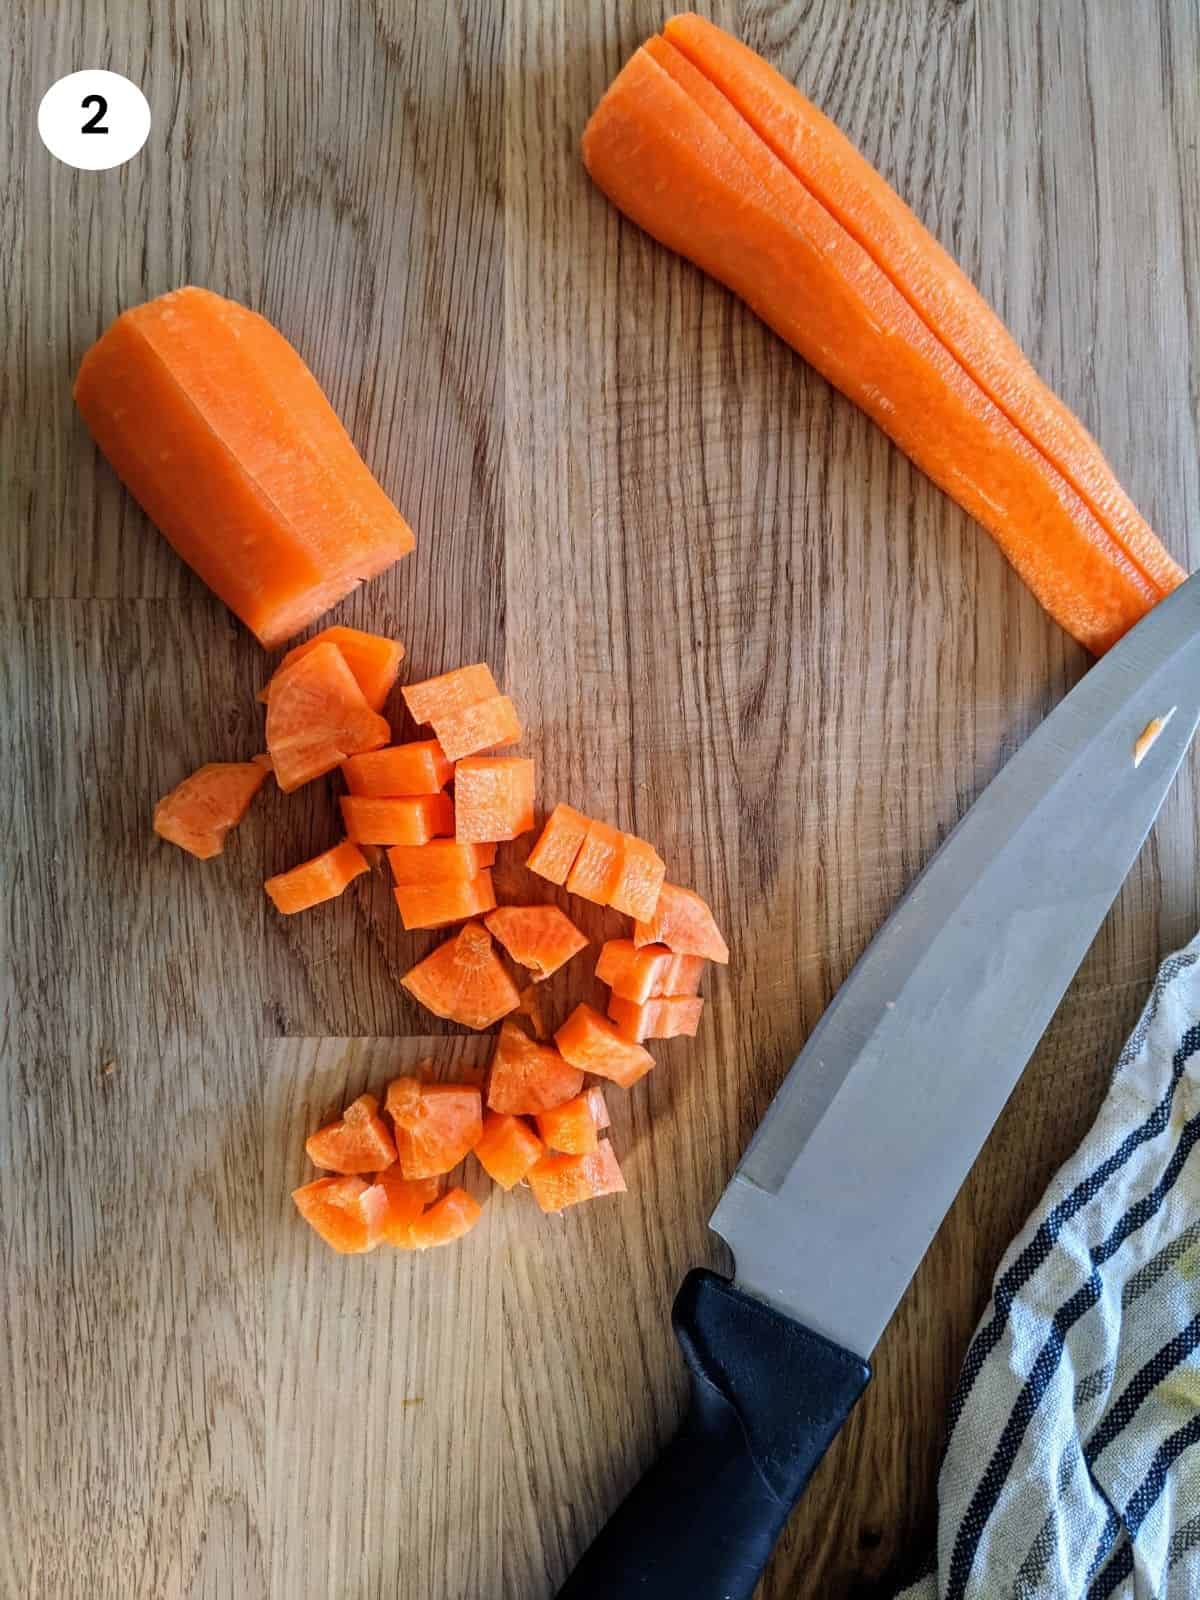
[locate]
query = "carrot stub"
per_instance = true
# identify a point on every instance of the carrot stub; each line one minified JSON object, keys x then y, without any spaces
{"x":464,"y":980}
{"x":322,"y":878}
{"x":358,"y":1142}
{"x":373,"y":660}
{"x":437,"y":1124}
{"x":199,"y":812}
{"x":347,"y":1212}
{"x":419,"y":767}
{"x":559,"y":1181}
{"x":413,"y":819}
{"x":493,"y":798}
{"x":317,"y":716}
{"x":507,"y":1148}
{"x":526,"y":1077}
{"x":542,"y":938}
{"x":593,"y":1044}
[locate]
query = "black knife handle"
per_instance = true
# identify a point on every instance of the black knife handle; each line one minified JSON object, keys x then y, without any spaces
{"x":768,"y":1395}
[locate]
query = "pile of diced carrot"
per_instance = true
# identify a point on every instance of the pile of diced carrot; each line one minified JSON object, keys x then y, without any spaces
{"x":539,"y":1121}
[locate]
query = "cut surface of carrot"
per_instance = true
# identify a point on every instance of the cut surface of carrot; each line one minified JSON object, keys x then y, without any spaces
{"x":559,"y":1181}
{"x":643,"y":974}
{"x":464,"y":980}
{"x":597,"y":869}
{"x":570,"y":1127}
{"x":317,"y":716}
{"x":593,"y":1044}
{"x":487,"y":725}
{"x":559,"y":842}
{"x":542,"y":938}
{"x":683,"y":922}
{"x":635,"y":893}
{"x":436,"y":1128}
{"x":357,"y":1142}
{"x":526,"y":1078}
{"x":599,"y":1106}
{"x":493,"y":798}
{"x":507,"y":1148}
{"x":419,"y":767}
{"x":222,"y":434}
{"x":436,"y":905}
{"x":199,"y":812}
{"x":406,"y":1200}
{"x":373,"y":660}
{"x":322,"y":878}
{"x":440,"y":697}
{"x":663,"y":1018}
{"x":411,"y":819}
{"x":348,"y":1213}
{"x":448,"y":1219}
{"x":439,"y":861}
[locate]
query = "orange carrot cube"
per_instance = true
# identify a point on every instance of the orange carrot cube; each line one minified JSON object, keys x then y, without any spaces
{"x":542,"y":938}
{"x":199,"y":812}
{"x":570,"y":1127}
{"x":593,"y":1044}
{"x":493,"y":798}
{"x":597,"y":868}
{"x":317,"y":716}
{"x":464,"y":980}
{"x":526,"y":1078}
{"x":358,"y":1142}
{"x":564,"y":1180}
{"x":436,"y":905}
{"x":559,"y":843}
{"x":664,"y":1018}
{"x":435,"y":1129}
{"x":373,"y":660}
{"x":440,"y":861}
{"x":507,"y":1148}
{"x":643,"y":974}
{"x":413,"y":819}
{"x":636,"y":890}
{"x":486,"y":725}
{"x":684,"y":923}
{"x":347,"y":1212}
{"x":322,"y":878}
{"x":440,"y":697}
{"x":453,"y":1215}
{"x":419,"y":767}
{"x":406,"y":1200}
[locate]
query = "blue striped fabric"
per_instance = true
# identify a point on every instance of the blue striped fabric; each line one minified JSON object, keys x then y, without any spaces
{"x":1072,"y":1465}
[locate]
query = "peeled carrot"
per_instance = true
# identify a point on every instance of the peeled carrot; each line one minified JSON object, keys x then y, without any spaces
{"x":437,"y":1124}
{"x":570,"y":1127}
{"x":455,"y":1214}
{"x":563,"y":1180}
{"x":507,"y":1148}
{"x":411,"y":820}
{"x":437,"y":698}
{"x":635,"y":892}
{"x":493,"y":798}
{"x":664,"y":1018}
{"x":348,"y":1213}
{"x":401,"y":769}
{"x":559,"y":842}
{"x":358,"y":1142}
{"x":593,"y":1044}
{"x":464,"y":980}
{"x":487,"y":725}
{"x":199,"y":812}
{"x":542,"y":938}
{"x":598,"y":866}
{"x":683,"y":922}
{"x":645,"y":974}
{"x":526,"y":1078}
{"x":322,"y":878}
{"x":221,"y":432}
{"x":436,"y":905}
{"x":373,"y":660}
{"x":317,"y":716}
{"x":720,"y":159}
{"x":439,"y":861}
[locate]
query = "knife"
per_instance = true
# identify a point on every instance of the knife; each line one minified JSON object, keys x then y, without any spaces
{"x":882,"y":1114}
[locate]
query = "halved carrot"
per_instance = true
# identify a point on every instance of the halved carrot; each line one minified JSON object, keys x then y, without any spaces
{"x":419,"y":767}
{"x":636,"y":890}
{"x":436,"y":905}
{"x":452,"y":1216}
{"x":507,"y":1148}
{"x":358,"y":1142}
{"x":221,"y":432}
{"x":559,"y":843}
{"x":464,"y":980}
{"x":439,"y":861}
{"x":435,"y":698}
{"x":317,"y":716}
{"x":563,"y":1180}
{"x":683,"y":922}
{"x":526,"y":1078}
{"x":436,"y":1126}
{"x":322,"y":878}
{"x":570,"y":1127}
{"x":493,"y":798}
{"x":487,"y":725}
{"x":348,"y":1213}
{"x":593,"y":1044}
{"x":374,"y":661}
{"x":663,"y":1018}
{"x":542,"y":938}
{"x":406,"y":1200}
{"x":597,"y":869}
{"x":644,"y":974}
{"x":411,"y":819}
{"x":199,"y":812}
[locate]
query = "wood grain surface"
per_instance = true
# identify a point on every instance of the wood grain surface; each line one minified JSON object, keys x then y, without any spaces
{"x":735,"y":620}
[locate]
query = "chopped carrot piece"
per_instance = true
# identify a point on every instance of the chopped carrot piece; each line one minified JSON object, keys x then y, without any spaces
{"x":436,"y":1127}
{"x":508,"y":1148}
{"x":570,"y":1127}
{"x":542,"y":938}
{"x":358,"y":1142}
{"x":599,"y":1106}
{"x":322,"y":878}
{"x":645,"y":974}
{"x":565,"y":1180}
{"x":317,"y":716}
{"x":223,"y":435}
{"x":526,"y":1078}
{"x":436,"y":698}
{"x":374,"y":661}
{"x":440,"y":861}
{"x":347,"y":1212}
{"x":559,"y":843}
{"x":597,"y":868}
{"x":199,"y":812}
{"x":464,"y":981}
{"x":683,"y":922}
{"x":406,"y":1200}
{"x":487,"y":725}
{"x":493,"y":798}
{"x":435,"y":905}
{"x":453,"y":1215}
{"x":420,"y":767}
{"x":412,"y":819}
{"x":593,"y":1044}
{"x":636,"y":890}
{"x":531,"y":1007}
{"x":663,"y":1018}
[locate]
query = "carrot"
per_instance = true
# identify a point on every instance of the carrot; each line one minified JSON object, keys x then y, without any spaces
{"x":493,"y":798}
{"x":436,"y":905}
{"x":220,"y":431}
{"x":720,"y":165}
{"x":645,"y":974}
{"x":599,"y":864}
{"x":542,"y":938}
{"x":564,"y":1180}
{"x":358,"y":1142}
{"x":526,"y":1078}
{"x":322,"y":878}
{"x":411,"y":820}
{"x":401,"y":769}
{"x":436,"y":698}
{"x":317,"y":716}
{"x":570,"y":1127}
{"x":559,"y":843}
{"x":464,"y":981}
{"x":373,"y":661}
{"x":599,"y":1106}
{"x":683,"y":922}
{"x":199,"y":812}
{"x":635,"y":892}
{"x":487,"y":725}
{"x":407,"y":1199}
{"x":439,"y":861}
{"x":449,"y":1219}
{"x":507,"y":1149}
{"x":437,"y":1124}
{"x":663,"y":1018}
{"x":592,"y":1043}
{"x":348,"y":1213}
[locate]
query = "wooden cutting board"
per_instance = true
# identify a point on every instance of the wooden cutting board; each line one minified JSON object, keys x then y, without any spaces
{"x":735,"y":620}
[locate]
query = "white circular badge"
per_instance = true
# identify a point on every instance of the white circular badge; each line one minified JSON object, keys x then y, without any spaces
{"x":93,"y":119}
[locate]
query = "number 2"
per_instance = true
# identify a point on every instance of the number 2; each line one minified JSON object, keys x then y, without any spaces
{"x":92,"y":125}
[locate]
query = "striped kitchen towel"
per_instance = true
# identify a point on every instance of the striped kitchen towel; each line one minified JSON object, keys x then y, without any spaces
{"x":1072,"y":1466}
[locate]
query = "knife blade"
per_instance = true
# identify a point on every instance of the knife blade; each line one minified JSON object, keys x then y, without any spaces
{"x":883,"y":1113}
